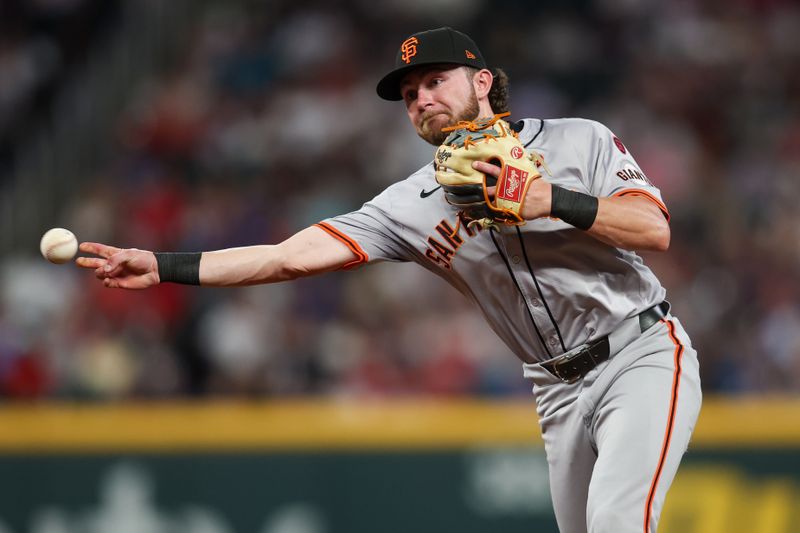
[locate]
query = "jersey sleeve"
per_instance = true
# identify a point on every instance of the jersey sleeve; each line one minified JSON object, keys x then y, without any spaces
{"x":370,"y":232}
{"x":612,"y":170}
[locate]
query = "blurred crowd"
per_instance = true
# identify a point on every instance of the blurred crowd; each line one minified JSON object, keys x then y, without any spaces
{"x":269,"y":123}
{"x":41,"y":42}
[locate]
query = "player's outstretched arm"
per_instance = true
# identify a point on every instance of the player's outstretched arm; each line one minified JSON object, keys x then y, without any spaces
{"x":308,"y":252}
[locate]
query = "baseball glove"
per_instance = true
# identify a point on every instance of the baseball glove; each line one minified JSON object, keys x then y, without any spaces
{"x":491,"y":140}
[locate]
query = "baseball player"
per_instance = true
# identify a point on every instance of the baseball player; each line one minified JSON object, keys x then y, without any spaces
{"x":614,"y":374}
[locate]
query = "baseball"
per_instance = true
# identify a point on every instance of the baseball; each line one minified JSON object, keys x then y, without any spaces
{"x":58,"y":245}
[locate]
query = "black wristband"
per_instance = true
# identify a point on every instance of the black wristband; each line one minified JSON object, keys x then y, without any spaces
{"x":574,"y":208}
{"x":180,"y":267}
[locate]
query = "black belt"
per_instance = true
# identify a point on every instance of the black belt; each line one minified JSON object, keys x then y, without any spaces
{"x":575,"y":364}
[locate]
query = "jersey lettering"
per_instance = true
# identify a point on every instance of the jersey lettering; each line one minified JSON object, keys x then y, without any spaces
{"x":438,"y":252}
{"x":430,"y":254}
{"x":630,"y":173}
{"x":444,"y":251}
{"x":449,"y":234}
{"x":471,"y":230}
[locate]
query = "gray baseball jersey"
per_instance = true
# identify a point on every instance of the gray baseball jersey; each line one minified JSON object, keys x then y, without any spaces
{"x":614,"y":439}
{"x":544,"y":287}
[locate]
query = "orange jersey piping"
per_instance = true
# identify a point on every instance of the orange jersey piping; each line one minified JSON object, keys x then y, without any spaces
{"x":645,"y":194}
{"x":673,"y":405}
{"x":361,"y":255}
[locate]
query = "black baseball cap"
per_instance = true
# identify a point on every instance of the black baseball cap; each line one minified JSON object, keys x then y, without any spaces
{"x":442,"y":45}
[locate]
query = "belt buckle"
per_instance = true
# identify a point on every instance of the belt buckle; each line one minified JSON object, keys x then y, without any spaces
{"x":566,"y":358}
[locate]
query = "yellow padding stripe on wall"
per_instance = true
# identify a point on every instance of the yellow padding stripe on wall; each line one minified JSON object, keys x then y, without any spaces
{"x":295,"y":425}
{"x":340,"y":425}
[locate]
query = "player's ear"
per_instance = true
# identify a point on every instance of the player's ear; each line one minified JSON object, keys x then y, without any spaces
{"x":482,"y":82}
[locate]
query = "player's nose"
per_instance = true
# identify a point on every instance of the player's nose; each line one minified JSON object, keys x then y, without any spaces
{"x":424,"y":98}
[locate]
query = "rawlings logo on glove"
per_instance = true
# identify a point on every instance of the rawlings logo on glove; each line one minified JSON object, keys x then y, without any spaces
{"x":491,"y":140}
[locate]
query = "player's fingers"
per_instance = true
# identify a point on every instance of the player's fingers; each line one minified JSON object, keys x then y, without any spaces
{"x":486,"y":168}
{"x":115,"y":265}
{"x":89,"y":262}
{"x":116,"y":283}
{"x":490,"y":191}
{"x":122,"y":260}
{"x":103,"y":250}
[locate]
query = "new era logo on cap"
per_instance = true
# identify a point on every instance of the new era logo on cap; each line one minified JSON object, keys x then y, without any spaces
{"x":439,"y":46}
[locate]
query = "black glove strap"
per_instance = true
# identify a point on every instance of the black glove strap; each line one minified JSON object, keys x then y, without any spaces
{"x":463,"y":195}
{"x":180,"y":267}
{"x":574,"y":208}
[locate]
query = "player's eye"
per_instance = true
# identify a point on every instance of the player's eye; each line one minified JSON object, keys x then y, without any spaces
{"x":409,"y":96}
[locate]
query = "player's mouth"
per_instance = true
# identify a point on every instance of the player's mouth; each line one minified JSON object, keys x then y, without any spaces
{"x":429,"y":117}
{"x":430,"y":127}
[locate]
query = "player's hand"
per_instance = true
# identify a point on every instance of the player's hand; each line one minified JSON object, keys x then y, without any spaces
{"x":120,"y":268}
{"x":538,"y":199}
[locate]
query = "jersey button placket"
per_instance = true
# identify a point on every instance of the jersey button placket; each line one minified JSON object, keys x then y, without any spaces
{"x":532,"y":297}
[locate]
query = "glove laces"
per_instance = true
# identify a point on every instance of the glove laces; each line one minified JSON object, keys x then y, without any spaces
{"x":477,"y":124}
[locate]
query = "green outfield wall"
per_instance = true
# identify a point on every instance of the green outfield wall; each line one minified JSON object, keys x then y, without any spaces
{"x":358,"y":467}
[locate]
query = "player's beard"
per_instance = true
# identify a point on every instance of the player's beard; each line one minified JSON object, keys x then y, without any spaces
{"x":430,"y":127}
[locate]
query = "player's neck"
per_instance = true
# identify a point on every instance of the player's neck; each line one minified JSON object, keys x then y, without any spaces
{"x":485,"y":108}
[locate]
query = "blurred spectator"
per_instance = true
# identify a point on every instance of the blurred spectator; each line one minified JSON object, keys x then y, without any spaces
{"x":41,"y":42}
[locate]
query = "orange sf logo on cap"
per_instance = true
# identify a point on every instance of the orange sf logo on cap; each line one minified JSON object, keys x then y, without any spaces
{"x":469,"y":54}
{"x":409,"y":49}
